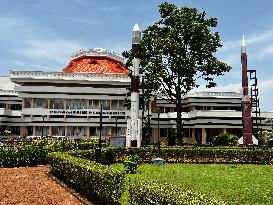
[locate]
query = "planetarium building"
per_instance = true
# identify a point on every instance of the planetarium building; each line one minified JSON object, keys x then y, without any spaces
{"x":68,"y":103}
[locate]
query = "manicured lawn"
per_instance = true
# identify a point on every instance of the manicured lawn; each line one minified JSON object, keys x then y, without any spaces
{"x":237,"y":184}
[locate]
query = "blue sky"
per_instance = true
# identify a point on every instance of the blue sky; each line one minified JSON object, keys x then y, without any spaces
{"x":42,"y":35}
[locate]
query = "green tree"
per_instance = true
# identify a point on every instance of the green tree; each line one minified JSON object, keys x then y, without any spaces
{"x":176,"y":51}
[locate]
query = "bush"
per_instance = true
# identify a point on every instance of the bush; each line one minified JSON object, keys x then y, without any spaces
{"x":143,"y":193}
{"x":225,"y":139}
{"x":27,"y":155}
{"x":131,"y":163}
{"x":107,"y":155}
{"x":190,"y":154}
{"x":95,"y":181}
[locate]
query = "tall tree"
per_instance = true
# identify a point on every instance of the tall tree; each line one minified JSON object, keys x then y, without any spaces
{"x":177,"y":50}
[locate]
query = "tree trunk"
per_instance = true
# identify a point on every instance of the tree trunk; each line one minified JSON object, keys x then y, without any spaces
{"x":179,"y":133}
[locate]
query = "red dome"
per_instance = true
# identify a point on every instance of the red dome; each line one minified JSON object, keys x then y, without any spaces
{"x":96,"y":61}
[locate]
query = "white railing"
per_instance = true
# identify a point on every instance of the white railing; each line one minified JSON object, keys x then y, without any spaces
{"x":8,"y":92}
{"x":97,"y":52}
{"x":67,"y":75}
{"x":214,"y":94}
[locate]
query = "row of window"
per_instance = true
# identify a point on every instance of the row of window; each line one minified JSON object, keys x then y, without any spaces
{"x":11,"y":106}
{"x":58,"y":103}
{"x":79,"y":131}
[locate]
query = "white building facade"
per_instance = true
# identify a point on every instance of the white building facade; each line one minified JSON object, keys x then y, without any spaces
{"x":67,"y":103}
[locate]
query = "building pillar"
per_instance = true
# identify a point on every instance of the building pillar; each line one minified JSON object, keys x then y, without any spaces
{"x":48,"y":107}
{"x":154,"y":135}
{"x":65,"y":105}
{"x":50,"y":131}
{"x":34,"y":130}
{"x":204,"y":136}
{"x":88,"y":132}
{"x":193,"y":134}
{"x":23,"y":131}
{"x":23,"y":102}
{"x":65,"y":131}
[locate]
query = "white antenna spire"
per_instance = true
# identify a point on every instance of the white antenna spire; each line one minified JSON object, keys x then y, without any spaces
{"x":136,"y":27}
{"x":243,"y":41}
{"x":243,"y":48}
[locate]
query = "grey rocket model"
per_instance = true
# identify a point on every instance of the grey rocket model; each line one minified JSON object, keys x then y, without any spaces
{"x":133,"y":135}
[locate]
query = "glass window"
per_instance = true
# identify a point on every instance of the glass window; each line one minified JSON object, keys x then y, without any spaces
{"x":27,"y":102}
{"x":58,"y":131}
{"x":40,"y":103}
{"x":114,"y":105}
{"x":121,"y":104}
{"x":105,"y":131}
{"x":105,"y":104}
{"x":94,"y":104}
{"x":76,"y":104}
{"x":57,"y":103}
{"x":94,"y":131}
{"x":42,"y":131}
{"x":76,"y":131}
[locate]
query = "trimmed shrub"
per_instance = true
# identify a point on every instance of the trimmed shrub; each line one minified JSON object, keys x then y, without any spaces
{"x":131,"y":163}
{"x":27,"y":155}
{"x":196,"y":154}
{"x":226,"y":139}
{"x":147,"y":193}
{"x":107,"y":155}
{"x":94,"y":181}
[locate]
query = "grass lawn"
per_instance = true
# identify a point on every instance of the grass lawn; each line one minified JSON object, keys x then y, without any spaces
{"x":237,"y":184}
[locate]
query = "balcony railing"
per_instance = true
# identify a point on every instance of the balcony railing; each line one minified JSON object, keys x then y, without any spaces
{"x":98,"y":52}
{"x":65,"y":75}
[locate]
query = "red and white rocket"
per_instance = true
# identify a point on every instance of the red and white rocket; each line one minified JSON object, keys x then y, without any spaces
{"x":246,"y":103}
{"x":133,"y":135}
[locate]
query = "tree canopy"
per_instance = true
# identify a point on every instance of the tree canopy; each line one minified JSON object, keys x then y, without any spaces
{"x":177,"y":50}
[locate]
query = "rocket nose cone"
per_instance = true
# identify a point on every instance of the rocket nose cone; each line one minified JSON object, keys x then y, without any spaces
{"x":243,"y":41}
{"x":136,"y":27}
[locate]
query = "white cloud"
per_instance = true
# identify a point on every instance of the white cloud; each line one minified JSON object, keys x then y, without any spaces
{"x":56,"y":50}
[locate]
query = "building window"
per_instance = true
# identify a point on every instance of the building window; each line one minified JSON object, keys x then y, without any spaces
{"x":16,"y":107}
{"x":58,"y":131}
{"x":94,"y":131}
{"x":114,"y":105}
{"x":94,"y":104}
{"x":76,"y":131}
{"x":40,"y":103}
{"x":105,"y":104}
{"x":163,"y":132}
{"x":105,"y":131}
{"x":56,"y":103}
{"x":76,"y":104}
{"x":42,"y":131}
{"x":27,"y":102}
{"x":121,"y":131}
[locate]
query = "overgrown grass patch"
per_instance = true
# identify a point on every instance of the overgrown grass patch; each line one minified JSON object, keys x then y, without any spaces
{"x":235,"y":184}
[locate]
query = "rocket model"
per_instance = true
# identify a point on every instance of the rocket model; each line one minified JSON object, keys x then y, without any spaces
{"x":133,"y":136}
{"x":246,"y":104}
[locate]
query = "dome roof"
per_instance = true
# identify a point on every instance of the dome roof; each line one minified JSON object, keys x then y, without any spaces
{"x":96,"y":61}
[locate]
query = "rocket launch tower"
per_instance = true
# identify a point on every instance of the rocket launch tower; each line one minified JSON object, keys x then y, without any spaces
{"x":246,"y":103}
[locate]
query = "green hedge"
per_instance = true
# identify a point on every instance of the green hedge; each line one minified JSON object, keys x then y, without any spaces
{"x":31,"y":153}
{"x":28,"y":155}
{"x":108,"y":156}
{"x":95,"y":181}
{"x":195,"y":155}
{"x":147,"y":193}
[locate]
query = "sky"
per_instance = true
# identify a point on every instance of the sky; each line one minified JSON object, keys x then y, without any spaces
{"x":42,"y":35}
